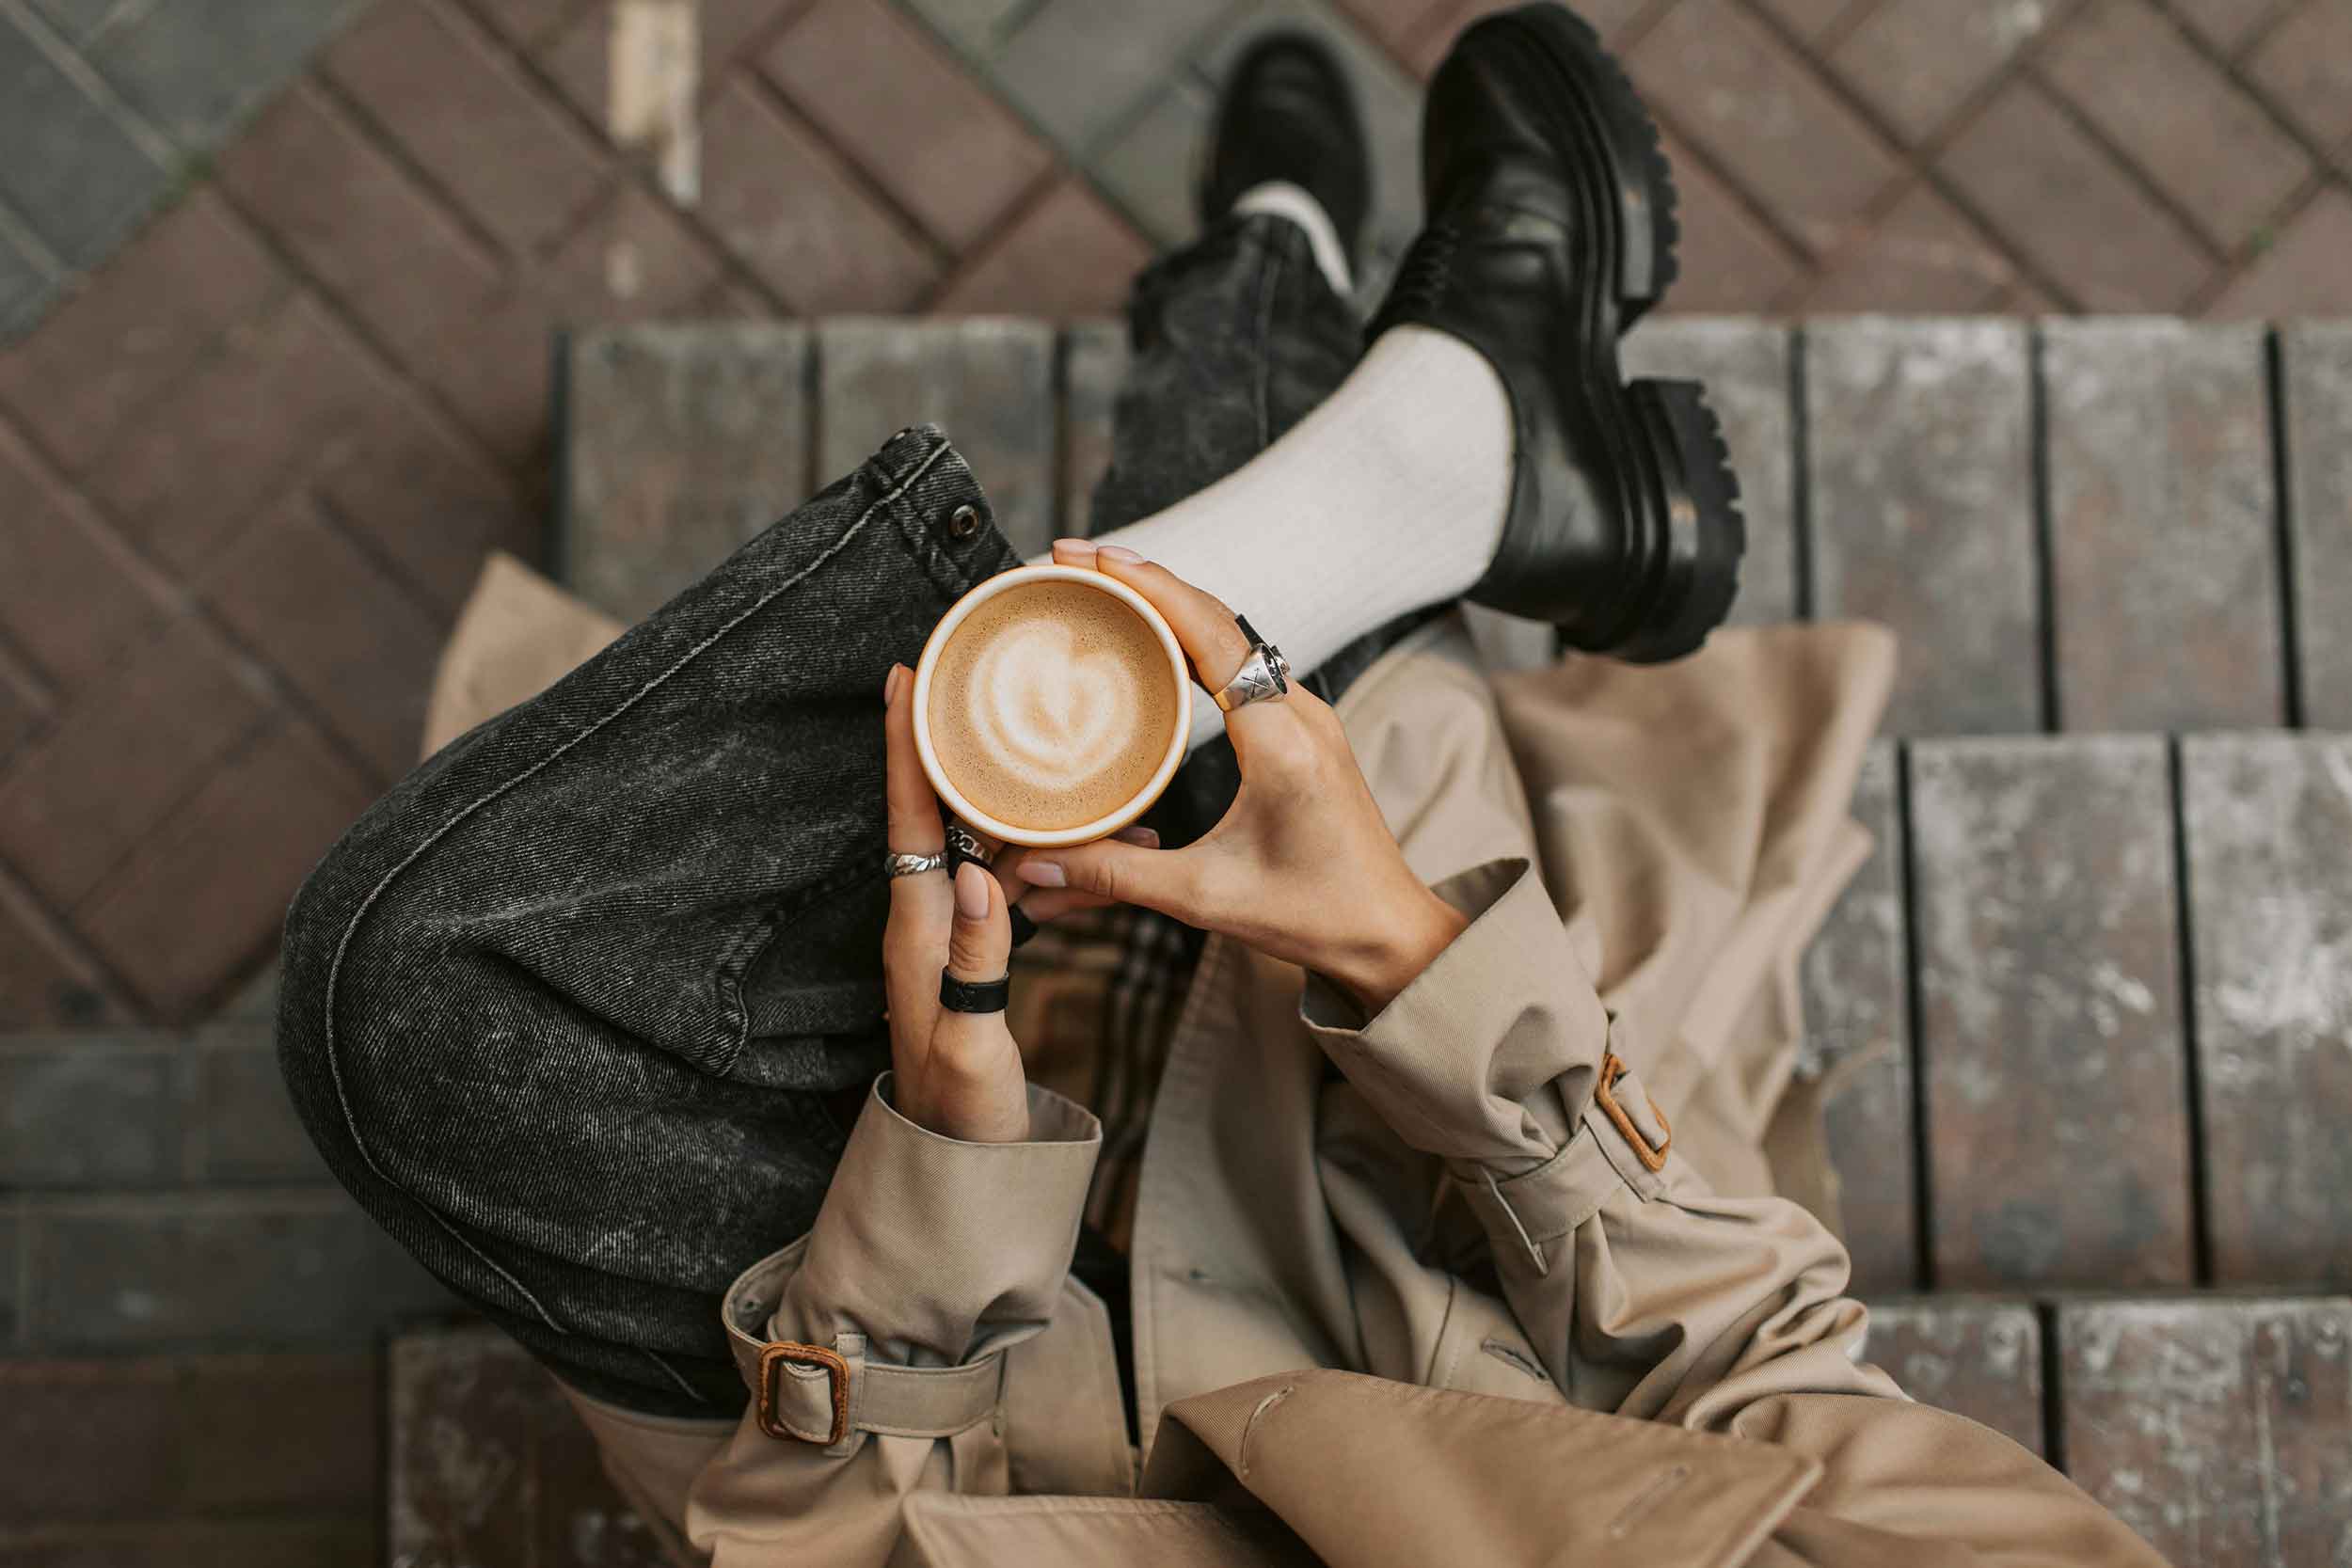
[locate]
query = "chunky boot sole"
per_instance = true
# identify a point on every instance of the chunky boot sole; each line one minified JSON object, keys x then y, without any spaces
{"x":1697,"y":569}
{"x":1689,"y":537}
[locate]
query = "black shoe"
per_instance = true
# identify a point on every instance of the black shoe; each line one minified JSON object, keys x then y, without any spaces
{"x":1287,"y":113}
{"x":1550,"y":230}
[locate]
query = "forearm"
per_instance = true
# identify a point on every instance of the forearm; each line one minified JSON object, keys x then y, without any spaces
{"x":1642,"y":1292}
{"x":1397,"y":946}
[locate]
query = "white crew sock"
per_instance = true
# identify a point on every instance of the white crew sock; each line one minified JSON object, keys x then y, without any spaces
{"x":1389,"y":496}
{"x":1283,"y":200}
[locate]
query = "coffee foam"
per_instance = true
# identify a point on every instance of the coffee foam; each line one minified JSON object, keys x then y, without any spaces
{"x":1052,"y":704}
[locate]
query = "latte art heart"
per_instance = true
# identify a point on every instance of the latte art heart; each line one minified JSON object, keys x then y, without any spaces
{"x":1048,"y":713}
{"x":1052,"y":704}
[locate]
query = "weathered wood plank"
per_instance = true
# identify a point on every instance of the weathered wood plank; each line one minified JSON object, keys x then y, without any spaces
{"x":487,"y":1463}
{"x":988,"y":382}
{"x":1921,"y":487}
{"x":1093,"y":367}
{"x":2214,"y":1427}
{"x":1858,"y":1043}
{"x":2162,"y":527}
{"x":680,"y":444}
{"x":2050,"y":1028}
{"x":1975,"y":1357}
{"x":2269,"y":829}
{"x":1745,"y":366}
{"x":2318,"y":365}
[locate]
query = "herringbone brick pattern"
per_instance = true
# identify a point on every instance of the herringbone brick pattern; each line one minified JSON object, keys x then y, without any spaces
{"x":249,"y":469}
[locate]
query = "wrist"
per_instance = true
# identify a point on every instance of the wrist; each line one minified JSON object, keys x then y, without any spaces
{"x":1397,"y":955}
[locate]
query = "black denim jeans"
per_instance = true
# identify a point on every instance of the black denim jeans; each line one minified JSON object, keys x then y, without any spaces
{"x":580,"y":1010}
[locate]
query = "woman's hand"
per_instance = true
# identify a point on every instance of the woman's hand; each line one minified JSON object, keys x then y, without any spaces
{"x":1302,"y":866}
{"x":957,"y":1073}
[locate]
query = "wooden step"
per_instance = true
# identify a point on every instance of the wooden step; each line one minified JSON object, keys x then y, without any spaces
{"x":2076,"y":523}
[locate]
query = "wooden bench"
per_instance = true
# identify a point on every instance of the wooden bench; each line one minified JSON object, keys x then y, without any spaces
{"x":2088,"y":1005}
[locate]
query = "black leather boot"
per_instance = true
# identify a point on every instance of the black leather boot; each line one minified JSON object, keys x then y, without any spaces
{"x":1550,"y":230}
{"x":1287,"y":113}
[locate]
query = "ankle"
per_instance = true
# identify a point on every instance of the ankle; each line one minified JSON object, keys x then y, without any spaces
{"x":1440,"y":406}
{"x":1295,"y":204}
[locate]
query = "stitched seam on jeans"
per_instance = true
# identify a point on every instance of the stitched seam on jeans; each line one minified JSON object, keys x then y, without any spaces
{"x":675,"y":1376}
{"x":342,"y":944}
{"x":952,"y":577}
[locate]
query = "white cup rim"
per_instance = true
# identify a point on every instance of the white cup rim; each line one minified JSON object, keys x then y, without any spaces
{"x":1110,"y":822}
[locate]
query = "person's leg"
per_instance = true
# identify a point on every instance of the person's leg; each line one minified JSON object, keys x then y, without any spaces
{"x":1489,"y":444}
{"x":1236,"y":339}
{"x":1386,"y":499}
{"x":573,"y":1009}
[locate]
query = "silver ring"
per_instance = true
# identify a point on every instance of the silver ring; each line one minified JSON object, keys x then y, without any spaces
{"x":1263,"y":677}
{"x":961,"y":840}
{"x":895,"y":865}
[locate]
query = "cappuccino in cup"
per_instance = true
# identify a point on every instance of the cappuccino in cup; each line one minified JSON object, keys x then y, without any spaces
{"x":1050,"y":700}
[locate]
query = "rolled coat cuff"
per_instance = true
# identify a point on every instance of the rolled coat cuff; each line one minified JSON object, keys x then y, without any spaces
{"x":932,"y":1250}
{"x":1492,"y":1057}
{"x":1489,"y":1053}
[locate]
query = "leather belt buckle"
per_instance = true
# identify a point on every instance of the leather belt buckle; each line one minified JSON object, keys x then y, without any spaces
{"x":784,"y":1353}
{"x":1652,"y":1156}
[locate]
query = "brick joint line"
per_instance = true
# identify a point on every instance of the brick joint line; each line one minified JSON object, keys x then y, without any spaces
{"x":161,"y":149}
{"x":1926,"y":159}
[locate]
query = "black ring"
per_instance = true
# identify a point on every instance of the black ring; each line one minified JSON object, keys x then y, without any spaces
{"x":973,"y":996}
{"x":964,"y":845}
{"x":1022,"y":927}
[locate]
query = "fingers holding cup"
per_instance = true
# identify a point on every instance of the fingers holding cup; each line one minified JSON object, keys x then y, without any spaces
{"x":912,"y":825}
{"x":1045,"y":902}
{"x":1209,"y":634}
{"x":919,"y":904}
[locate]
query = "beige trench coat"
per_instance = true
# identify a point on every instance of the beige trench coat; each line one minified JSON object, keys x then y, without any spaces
{"x":1496,"y":1276}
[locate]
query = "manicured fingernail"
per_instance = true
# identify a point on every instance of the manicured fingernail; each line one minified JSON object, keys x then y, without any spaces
{"x":1042,"y":874}
{"x":1082,"y":545}
{"x":1118,"y":552}
{"x":890,"y":686}
{"x":972,"y":892}
{"x":1148,"y":837}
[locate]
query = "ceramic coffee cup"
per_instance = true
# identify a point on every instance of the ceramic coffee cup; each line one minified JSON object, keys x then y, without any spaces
{"x":1173,"y":744}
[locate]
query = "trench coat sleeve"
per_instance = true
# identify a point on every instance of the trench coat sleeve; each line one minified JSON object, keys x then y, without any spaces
{"x":929,"y":1261}
{"x":1645,"y":1293}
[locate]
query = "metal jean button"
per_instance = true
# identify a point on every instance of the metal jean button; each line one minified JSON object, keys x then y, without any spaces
{"x":964,"y":521}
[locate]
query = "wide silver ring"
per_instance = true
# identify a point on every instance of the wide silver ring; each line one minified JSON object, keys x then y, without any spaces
{"x":1263,"y":677}
{"x":895,"y":865}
